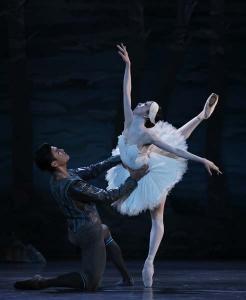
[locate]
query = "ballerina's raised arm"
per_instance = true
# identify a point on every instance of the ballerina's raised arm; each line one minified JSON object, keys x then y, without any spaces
{"x":209,"y":165}
{"x":128,"y":114}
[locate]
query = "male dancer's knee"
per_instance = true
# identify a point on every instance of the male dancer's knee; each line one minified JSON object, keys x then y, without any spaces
{"x":106,"y":235}
{"x":106,"y":231}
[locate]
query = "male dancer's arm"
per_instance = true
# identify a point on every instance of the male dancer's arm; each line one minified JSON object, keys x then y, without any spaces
{"x":95,"y":170}
{"x":84,"y":192}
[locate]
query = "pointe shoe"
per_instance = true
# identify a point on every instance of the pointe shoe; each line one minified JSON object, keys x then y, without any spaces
{"x":210,"y":106}
{"x":147,"y":274}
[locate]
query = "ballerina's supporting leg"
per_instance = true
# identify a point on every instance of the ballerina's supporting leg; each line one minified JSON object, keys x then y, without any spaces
{"x":156,"y":235}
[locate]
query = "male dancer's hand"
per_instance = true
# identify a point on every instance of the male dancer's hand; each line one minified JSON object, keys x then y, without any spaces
{"x":139,"y":173}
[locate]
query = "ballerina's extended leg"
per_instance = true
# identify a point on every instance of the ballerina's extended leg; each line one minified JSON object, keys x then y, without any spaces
{"x":156,"y":235}
{"x":208,"y":109}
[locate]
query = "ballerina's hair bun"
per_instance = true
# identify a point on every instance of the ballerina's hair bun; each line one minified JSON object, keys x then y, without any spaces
{"x":153,"y":110}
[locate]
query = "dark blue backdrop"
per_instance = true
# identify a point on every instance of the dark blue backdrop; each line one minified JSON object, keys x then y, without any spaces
{"x":180,"y":54}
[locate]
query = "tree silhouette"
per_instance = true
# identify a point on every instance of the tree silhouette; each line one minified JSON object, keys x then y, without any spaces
{"x":217,"y":188}
{"x":19,"y":93}
{"x":176,"y":50}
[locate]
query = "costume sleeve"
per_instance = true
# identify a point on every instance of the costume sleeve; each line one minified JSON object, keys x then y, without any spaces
{"x":84,"y":192}
{"x":95,"y":170}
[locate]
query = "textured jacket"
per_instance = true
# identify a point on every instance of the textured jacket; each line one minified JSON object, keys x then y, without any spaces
{"x":77,"y":198}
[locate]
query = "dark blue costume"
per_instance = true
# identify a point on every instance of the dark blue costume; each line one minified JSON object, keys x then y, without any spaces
{"x":77,"y":199}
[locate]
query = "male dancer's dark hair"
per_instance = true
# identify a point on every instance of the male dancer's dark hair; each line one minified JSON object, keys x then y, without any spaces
{"x":43,"y":157}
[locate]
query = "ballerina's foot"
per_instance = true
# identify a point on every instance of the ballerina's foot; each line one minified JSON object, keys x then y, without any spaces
{"x":35,"y":283}
{"x":209,"y":106}
{"x":147,"y":274}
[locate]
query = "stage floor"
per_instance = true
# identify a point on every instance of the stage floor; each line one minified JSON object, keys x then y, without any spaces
{"x":173,"y":280}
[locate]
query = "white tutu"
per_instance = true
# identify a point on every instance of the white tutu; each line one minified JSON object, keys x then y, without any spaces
{"x":165,"y":170}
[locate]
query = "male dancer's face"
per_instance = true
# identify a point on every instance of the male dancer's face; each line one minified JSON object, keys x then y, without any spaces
{"x":60,"y":157}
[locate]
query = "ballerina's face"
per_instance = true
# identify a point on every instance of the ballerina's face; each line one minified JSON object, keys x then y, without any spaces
{"x":142,"y":108}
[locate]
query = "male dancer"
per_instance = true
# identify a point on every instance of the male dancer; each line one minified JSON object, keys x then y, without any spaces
{"x":77,"y":198}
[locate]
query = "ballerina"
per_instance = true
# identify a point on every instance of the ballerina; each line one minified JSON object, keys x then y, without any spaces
{"x":163,"y":148}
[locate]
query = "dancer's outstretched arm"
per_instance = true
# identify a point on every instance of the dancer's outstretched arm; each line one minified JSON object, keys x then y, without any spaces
{"x":82,"y":191}
{"x":126,"y":86}
{"x":209,"y":165}
{"x":95,"y":170}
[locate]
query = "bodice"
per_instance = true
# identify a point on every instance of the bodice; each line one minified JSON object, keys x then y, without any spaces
{"x":130,"y":155}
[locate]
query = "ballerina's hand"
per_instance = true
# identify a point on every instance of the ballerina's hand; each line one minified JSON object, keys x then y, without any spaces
{"x":210,"y":166}
{"x":123,"y":53}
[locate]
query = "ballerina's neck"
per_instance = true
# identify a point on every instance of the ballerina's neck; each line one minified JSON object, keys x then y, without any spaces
{"x":138,"y":122}
{"x":135,"y":130}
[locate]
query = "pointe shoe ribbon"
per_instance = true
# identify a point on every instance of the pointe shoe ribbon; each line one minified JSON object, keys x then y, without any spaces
{"x":210,"y":105}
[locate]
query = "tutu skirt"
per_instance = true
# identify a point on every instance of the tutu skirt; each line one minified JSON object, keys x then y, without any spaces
{"x":165,"y":170}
